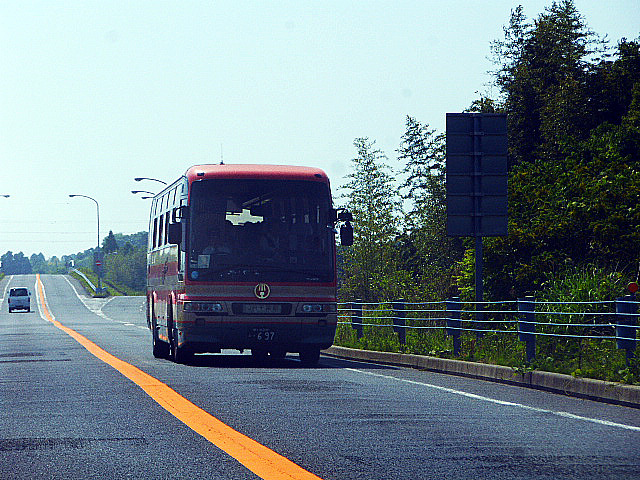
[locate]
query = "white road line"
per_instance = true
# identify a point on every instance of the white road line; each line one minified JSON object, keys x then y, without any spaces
{"x":502,"y":402}
{"x":98,"y":311}
{"x":91,"y":308}
{"x":6,"y":287}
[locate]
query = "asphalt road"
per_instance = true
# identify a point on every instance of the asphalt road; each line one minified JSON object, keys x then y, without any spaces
{"x":64,"y":413}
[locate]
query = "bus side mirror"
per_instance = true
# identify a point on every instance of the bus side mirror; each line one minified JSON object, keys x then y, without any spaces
{"x":180,"y":213}
{"x":175,"y":233}
{"x":346,"y":234}
{"x":345,"y":216}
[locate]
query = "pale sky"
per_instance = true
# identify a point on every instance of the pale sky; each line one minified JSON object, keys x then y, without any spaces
{"x":95,"y":93}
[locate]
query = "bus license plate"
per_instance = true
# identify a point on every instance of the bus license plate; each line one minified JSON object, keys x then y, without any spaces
{"x":261,"y":309}
{"x":262,"y":334}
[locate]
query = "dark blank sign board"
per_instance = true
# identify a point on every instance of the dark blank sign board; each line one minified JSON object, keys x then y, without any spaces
{"x":476,"y":174}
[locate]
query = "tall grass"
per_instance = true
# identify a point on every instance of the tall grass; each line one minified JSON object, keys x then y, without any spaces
{"x":593,"y":358}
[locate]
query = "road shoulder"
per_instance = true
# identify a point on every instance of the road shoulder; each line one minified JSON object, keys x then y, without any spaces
{"x":598,"y":390}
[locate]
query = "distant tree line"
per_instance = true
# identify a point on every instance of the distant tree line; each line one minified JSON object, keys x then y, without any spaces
{"x":573,"y":105}
{"x":15,"y":264}
{"x":125,"y":261}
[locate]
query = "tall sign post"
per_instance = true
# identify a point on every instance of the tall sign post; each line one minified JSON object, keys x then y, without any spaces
{"x":476,"y":152}
{"x":98,"y":261}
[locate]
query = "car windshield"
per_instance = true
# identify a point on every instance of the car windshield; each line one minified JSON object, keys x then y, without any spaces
{"x":19,"y":292}
{"x":260,"y":230}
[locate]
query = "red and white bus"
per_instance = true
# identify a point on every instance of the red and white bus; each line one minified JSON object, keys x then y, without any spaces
{"x":244,"y":257}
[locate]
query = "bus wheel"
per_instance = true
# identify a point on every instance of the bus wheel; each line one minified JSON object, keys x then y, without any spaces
{"x":160,"y":348}
{"x":179,"y":354}
{"x":259,"y":356}
{"x":176,"y":353}
{"x":278,"y":353}
{"x":310,"y":356}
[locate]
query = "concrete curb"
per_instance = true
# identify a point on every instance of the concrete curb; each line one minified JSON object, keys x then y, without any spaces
{"x":609,"y":392}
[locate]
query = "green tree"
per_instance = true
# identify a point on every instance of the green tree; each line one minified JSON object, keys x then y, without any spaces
{"x":426,"y":250}
{"x":15,"y":264}
{"x":38,"y":263}
{"x":542,"y":72}
{"x":574,"y":141}
{"x":127,"y":267}
{"x":137,"y":240}
{"x":370,"y":265}
{"x":109,"y":244}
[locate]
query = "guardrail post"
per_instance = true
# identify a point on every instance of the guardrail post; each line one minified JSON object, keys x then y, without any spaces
{"x":454,"y":324}
{"x":527,"y":325}
{"x":399,"y":322}
{"x":626,"y":325}
{"x":356,"y":316}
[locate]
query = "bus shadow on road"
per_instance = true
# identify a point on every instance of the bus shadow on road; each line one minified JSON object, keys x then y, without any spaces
{"x":218,"y":360}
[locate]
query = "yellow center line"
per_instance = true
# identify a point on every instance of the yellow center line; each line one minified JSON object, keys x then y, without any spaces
{"x":261,"y":460}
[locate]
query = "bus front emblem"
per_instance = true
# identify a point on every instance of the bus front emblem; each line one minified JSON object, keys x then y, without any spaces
{"x":262,"y":291}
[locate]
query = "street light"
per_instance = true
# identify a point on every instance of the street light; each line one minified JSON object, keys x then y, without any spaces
{"x":142,"y":191}
{"x":7,"y":196}
{"x":98,"y":248}
{"x":137,"y":179}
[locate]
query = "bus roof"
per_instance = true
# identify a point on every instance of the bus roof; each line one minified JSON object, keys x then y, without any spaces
{"x":283,"y":172}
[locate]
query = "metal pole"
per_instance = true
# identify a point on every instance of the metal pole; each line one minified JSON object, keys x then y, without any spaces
{"x":356,"y":317}
{"x":626,"y":325}
{"x":479,"y":284}
{"x":527,"y":326}
{"x":478,"y":211}
{"x":399,"y":322}
{"x":98,"y":245}
{"x":454,"y":324}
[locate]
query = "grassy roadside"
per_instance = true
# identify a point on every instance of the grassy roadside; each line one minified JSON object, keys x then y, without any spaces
{"x":111,"y":288}
{"x":597,"y":359}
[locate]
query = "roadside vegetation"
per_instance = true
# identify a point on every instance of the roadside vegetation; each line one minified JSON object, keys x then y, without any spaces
{"x":124,"y":264}
{"x":573,"y":105}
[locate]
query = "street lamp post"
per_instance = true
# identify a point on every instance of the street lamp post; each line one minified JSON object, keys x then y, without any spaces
{"x":137,"y":179}
{"x":7,"y":196}
{"x":98,"y":247}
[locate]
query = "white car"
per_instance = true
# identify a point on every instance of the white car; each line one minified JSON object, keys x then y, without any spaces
{"x":19,"y":299}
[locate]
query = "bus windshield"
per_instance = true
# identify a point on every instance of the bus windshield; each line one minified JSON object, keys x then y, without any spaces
{"x":247,"y":230}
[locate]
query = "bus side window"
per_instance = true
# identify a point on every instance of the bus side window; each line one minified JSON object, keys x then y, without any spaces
{"x":155,"y":232}
{"x":167,"y":218}
{"x":160,"y":230}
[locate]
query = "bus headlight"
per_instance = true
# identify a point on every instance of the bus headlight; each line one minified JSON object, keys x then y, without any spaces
{"x":318,"y":308}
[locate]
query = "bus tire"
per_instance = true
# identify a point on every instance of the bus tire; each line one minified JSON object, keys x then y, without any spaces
{"x":310,"y":356}
{"x":260,"y":356}
{"x":179,"y":354}
{"x":160,"y":348}
{"x":278,"y":353}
